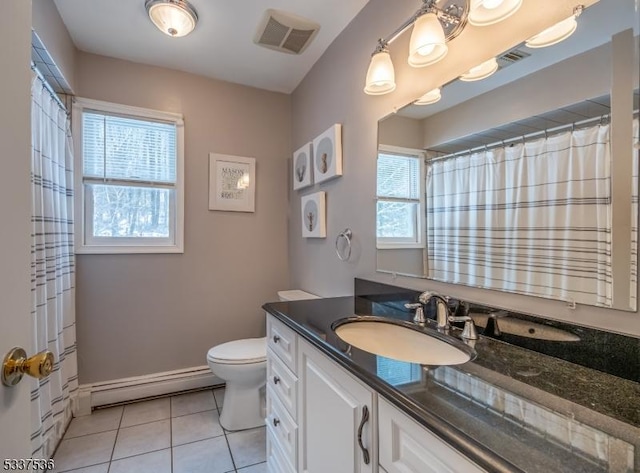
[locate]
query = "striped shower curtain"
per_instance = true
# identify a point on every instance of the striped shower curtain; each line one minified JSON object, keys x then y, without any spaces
{"x":52,"y":269}
{"x":531,"y":218}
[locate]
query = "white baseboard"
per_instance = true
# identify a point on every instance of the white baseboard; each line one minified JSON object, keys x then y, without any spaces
{"x":139,"y":387}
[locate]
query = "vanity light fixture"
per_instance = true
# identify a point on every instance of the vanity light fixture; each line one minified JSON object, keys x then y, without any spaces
{"x":433,"y":26}
{"x":489,"y":12}
{"x":556,"y":33}
{"x":175,"y":18}
{"x":481,"y":71}
{"x":430,"y":97}
{"x":381,"y":77}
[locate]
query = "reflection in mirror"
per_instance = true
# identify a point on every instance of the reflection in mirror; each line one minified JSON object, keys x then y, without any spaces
{"x":527,"y":185}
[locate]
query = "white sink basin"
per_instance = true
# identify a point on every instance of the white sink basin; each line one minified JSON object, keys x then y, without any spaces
{"x":402,"y":341}
{"x":524,"y":328}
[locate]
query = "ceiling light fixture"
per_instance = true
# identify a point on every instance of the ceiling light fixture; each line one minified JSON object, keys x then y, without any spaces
{"x":489,"y":12}
{"x":430,"y":97}
{"x":481,"y":71}
{"x":175,"y":18}
{"x":556,"y":33}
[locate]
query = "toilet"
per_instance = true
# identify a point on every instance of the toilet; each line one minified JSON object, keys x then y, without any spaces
{"x":242,"y":364}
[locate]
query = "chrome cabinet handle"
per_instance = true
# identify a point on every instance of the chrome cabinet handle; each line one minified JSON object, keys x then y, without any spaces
{"x":276,"y":421}
{"x":365,"y":418}
{"x":276,"y":380}
{"x":276,"y":339}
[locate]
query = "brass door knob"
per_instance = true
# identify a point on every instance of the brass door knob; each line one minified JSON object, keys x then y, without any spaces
{"x":16,"y":364}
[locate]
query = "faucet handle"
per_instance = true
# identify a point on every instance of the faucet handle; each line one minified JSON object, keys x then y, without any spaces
{"x":469,"y":331}
{"x":419,"y":318}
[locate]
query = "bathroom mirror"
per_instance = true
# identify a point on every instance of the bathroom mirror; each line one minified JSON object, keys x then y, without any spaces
{"x":538,"y":97}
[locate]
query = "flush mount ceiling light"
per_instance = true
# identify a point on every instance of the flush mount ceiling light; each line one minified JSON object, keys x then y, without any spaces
{"x":175,"y":18}
{"x":430,"y":97}
{"x":481,"y":71}
{"x":489,"y":12}
{"x":556,"y":33}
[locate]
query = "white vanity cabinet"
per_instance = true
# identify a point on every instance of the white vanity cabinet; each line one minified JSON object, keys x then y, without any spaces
{"x":282,"y":398}
{"x":337,"y":415}
{"x":407,"y":447}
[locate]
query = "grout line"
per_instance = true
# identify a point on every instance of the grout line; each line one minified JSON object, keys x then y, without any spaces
{"x":115,"y":441}
{"x":170,"y":435}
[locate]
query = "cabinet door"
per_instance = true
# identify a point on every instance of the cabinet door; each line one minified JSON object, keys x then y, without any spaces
{"x":407,"y":447}
{"x":334,"y":433}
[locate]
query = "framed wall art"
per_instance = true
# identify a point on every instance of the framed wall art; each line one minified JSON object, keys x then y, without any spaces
{"x":327,"y":154}
{"x":232,"y":183}
{"x":302,"y":169}
{"x":314,"y":215}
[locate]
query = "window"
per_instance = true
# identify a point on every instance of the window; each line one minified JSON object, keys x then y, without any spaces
{"x":400,"y":205}
{"x":129,"y":179}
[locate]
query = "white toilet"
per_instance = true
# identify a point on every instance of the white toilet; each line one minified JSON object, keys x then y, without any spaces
{"x":242,"y":364}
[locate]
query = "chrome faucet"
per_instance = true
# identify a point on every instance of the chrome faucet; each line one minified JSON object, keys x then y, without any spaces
{"x":442,"y":308}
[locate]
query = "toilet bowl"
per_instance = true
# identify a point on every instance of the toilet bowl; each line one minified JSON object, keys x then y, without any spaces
{"x":242,"y":364}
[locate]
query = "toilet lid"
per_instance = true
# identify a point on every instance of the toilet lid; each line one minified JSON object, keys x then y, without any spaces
{"x":249,"y":350}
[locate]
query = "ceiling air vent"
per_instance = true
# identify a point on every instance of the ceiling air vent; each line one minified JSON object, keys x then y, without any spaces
{"x":511,"y":57}
{"x":285,"y":32}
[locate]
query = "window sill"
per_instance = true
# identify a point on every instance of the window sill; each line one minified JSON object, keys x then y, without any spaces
{"x":125,"y":250}
{"x":399,"y":246}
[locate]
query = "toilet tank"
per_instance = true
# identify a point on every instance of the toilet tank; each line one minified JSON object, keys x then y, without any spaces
{"x":295,"y":295}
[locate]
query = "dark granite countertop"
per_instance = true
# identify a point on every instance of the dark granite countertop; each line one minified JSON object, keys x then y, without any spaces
{"x":509,"y":410}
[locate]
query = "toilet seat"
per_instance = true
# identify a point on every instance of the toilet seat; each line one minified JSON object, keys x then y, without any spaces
{"x":239,"y":352}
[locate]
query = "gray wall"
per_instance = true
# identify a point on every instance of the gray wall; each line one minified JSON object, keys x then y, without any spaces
{"x":332,"y":93}
{"x":140,"y":314}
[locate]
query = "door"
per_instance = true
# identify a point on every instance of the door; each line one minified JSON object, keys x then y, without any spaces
{"x":334,"y":409}
{"x":15,"y":209}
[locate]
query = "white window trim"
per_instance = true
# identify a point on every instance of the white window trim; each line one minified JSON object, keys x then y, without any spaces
{"x":396,"y":244}
{"x":126,"y":245}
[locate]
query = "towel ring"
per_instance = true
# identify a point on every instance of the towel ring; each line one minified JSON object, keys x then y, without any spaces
{"x":346,"y":253}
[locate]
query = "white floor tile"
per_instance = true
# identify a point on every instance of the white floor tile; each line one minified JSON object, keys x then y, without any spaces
{"x":146,"y":411}
{"x":193,"y":427}
{"x":84,"y":451}
{"x":101,"y":420}
{"x":143,"y":438}
{"x":103,"y":468}
{"x":191,"y":403}
{"x":248,"y":447}
{"x":206,"y":456}
{"x":259,"y":468}
{"x":155,"y":462}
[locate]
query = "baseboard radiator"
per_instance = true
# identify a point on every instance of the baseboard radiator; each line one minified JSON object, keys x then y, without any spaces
{"x":124,"y":390}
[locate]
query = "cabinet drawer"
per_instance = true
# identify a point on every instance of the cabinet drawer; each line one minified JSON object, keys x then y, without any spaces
{"x":282,"y":340}
{"x":283,"y":383}
{"x":283,"y":427}
{"x":276,"y":460}
{"x":407,"y":447}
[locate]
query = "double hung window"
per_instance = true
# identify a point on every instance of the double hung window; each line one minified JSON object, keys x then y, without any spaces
{"x":129,"y":183}
{"x":400,"y":198}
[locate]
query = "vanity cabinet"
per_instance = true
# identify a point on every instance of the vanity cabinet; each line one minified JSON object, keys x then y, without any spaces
{"x":407,"y":447}
{"x":322,"y":419}
{"x":337,"y":417}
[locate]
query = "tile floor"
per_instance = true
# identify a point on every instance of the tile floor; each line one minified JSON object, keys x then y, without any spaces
{"x":178,"y":434}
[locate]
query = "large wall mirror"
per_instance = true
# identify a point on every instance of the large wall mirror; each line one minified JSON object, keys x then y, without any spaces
{"x":525,"y":181}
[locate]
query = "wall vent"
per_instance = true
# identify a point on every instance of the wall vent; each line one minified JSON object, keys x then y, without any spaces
{"x":285,"y":32}
{"x":511,"y":57}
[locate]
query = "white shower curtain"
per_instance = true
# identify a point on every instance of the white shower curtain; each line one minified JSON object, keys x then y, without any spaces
{"x":531,"y":218}
{"x":52,"y":269}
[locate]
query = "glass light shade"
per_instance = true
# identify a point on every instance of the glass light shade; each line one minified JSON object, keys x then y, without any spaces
{"x":381,"y":77}
{"x":173,"y":17}
{"x":554,"y":34}
{"x":427,"y":45}
{"x":481,"y":71}
{"x":430,"y":97}
{"x":488,"y":12}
